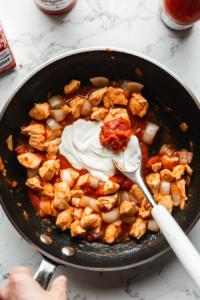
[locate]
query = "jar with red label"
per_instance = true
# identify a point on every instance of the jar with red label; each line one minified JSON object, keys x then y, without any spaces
{"x":55,"y":7}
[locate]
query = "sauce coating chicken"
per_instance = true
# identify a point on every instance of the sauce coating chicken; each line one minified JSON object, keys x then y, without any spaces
{"x":29,"y":160}
{"x":40,"y":111}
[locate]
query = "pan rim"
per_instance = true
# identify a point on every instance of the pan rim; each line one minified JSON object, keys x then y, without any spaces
{"x":90,"y":49}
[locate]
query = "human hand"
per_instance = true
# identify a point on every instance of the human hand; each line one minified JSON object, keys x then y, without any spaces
{"x":22,"y":286}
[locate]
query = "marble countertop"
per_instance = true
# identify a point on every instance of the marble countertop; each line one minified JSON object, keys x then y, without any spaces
{"x":35,"y":38}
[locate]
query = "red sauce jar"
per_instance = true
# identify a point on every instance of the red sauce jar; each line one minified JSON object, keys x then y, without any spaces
{"x":55,"y":7}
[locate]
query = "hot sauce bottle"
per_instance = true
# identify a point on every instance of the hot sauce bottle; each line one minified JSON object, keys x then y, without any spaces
{"x":55,"y":7}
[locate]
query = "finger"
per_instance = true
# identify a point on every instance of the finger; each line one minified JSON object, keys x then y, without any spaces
{"x":59,"y":286}
{"x":3,"y":294}
{"x":20,"y":270}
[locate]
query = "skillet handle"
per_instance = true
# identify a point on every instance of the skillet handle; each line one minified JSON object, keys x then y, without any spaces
{"x":179,"y":242}
{"x":45,"y":272}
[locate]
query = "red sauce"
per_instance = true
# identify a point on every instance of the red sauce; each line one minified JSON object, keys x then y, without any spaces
{"x":115,"y":134}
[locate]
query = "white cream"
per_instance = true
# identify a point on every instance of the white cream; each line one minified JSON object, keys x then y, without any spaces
{"x":81,"y":146}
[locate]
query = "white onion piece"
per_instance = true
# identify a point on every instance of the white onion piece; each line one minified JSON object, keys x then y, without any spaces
{"x":53,"y":124}
{"x":32,"y":172}
{"x":96,"y":235}
{"x":165,"y":187}
{"x":84,"y":201}
{"x":176,"y":197}
{"x":99,"y":82}
{"x":86,"y":108}
{"x":124,"y":196}
{"x":149,"y":133}
{"x":93,"y":205}
{"x":93,"y":182}
{"x":183,"y":157}
{"x":66,"y":176}
{"x":117,"y":223}
{"x":111,"y":216}
{"x":152,"y":225}
{"x":167,"y":150}
{"x":132,"y":199}
{"x":45,"y":207}
{"x":127,"y":220}
{"x":57,"y":114}
{"x":183,"y":126}
{"x":56,"y":102}
{"x":190,"y":157}
{"x":9,"y":143}
{"x":135,"y":87}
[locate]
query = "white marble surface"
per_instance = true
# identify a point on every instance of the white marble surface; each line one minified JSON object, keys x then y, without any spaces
{"x":37,"y":37}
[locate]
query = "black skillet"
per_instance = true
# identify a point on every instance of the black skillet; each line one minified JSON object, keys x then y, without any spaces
{"x":162,"y":89}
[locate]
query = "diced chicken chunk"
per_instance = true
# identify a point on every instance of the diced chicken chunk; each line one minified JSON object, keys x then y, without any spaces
{"x":69,"y":176}
{"x":75,"y":201}
{"x":77,"y":214}
{"x":128,"y":209}
{"x":51,"y":135}
{"x":48,"y":191}
{"x":96,"y":97}
{"x":49,"y":169}
{"x":82,"y":180}
{"x":117,"y":113}
{"x":178,"y":171}
{"x":114,"y":96}
{"x":137,"y":193}
{"x":33,"y":129}
{"x":62,"y":195}
{"x":138,"y":229}
{"x":54,"y":210}
{"x":52,"y":148}
{"x":167,"y":202}
{"x":72,"y":87}
{"x":40,"y":111}
{"x":107,"y":202}
{"x":166,"y":175}
{"x":35,"y":183}
{"x":76,"y":106}
{"x":156,"y":167}
{"x":99,"y":114}
{"x":138,"y":105}
{"x":181,"y":185}
{"x":153,"y":181}
{"x":189,"y":170}
{"x":87,"y":211}
{"x":29,"y":160}
{"x":37,"y":141}
{"x":142,"y":213}
{"x":90,"y":222}
{"x":169,"y":162}
{"x":110,"y":187}
{"x":65,"y":219}
{"x":76,"y":229}
{"x":77,"y":193}
{"x":112,"y":233}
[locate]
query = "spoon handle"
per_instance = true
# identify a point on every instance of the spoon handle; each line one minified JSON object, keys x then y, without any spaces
{"x":179,"y":242}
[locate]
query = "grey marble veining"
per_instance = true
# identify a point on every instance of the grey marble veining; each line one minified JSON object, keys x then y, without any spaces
{"x":36,"y":37}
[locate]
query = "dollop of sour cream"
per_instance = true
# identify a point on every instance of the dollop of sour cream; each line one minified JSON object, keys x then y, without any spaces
{"x":81,"y":146}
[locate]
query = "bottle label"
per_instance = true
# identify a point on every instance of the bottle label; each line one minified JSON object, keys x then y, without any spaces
{"x":54,"y":5}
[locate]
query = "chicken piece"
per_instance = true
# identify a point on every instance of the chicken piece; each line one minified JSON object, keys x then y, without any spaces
{"x":96,"y":97}
{"x":77,"y":193}
{"x":66,"y":109}
{"x":169,"y":162}
{"x":110,"y":187}
{"x":115,"y":114}
{"x":181,"y":185}
{"x":112,"y":233}
{"x":82,"y":180}
{"x":77,"y":230}
{"x":138,"y":105}
{"x":90,"y":222}
{"x":87,"y":211}
{"x":52,"y":148}
{"x":1,"y":164}
{"x":137,"y":193}
{"x":189,"y":170}
{"x":107,"y":101}
{"x":142,"y":213}
{"x":48,"y":191}
{"x":139,"y":228}
{"x":35,"y":183}
{"x":166,"y":201}
{"x":178,"y":171}
{"x":77,"y":214}
{"x":114,"y":96}
{"x":49,"y":169}
{"x":29,"y":160}
{"x":33,"y":129}
{"x":156,"y":167}
{"x":76,"y":106}
{"x":76,"y":201}
{"x":128,"y":209}
{"x":107,"y":202}
{"x":99,"y":114}
{"x":54,"y":211}
{"x":153,"y":181}
{"x":144,"y":203}
{"x":166,"y":175}
{"x":62,"y":195}
{"x":52,"y":135}
{"x":72,"y":87}
{"x":69,"y":176}
{"x":65,"y":219}
{"x":40,"y":111}
{"x":37,"y":141}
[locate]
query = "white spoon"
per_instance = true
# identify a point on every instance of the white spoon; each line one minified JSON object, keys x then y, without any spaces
{"x":178,"y":240}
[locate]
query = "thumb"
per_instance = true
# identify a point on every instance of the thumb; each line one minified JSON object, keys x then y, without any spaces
{"x":59,"y":287}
